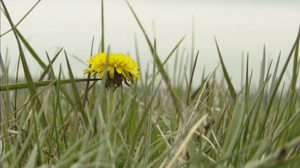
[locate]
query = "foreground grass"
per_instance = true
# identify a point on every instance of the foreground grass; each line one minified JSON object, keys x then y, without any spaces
{"x":64,"y":122}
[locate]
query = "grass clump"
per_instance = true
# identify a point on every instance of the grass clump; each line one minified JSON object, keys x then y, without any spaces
{"x":64,"y":121}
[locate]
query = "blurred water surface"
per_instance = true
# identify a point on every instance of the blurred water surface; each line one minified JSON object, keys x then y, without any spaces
{"x":240,"y":27}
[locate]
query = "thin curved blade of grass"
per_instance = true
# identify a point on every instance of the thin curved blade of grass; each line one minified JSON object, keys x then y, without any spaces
{"x":191,"y":79}
{"x":17,"y":77}
{"x":163,"y":158}
{"x":275,"y":124}
{"x":6,"y":155}
{"x":169,"y":56}
{"x":68,"y":152}
{"x":88,"y":82}
{"x":193,"y":43}
{"x":152,"y":154}
{"x":158,"y":62}
{"x":31,"y":86}
{"x":53,"y":77}
{"x":220,"y":118}
{"x":270,"y":102}
{"x":242,"y":151}
{"x":60,"y":108}
{"x":142,"y":28}
{"x":230,"y":86}
{"x":202,"y":91}
{"x":132,"y":119}
{"x":48,"y":67}
{"x":5,"y":80}
{"x":40,"y":83}
{"x":26,"y":142}
{"x":267,"y":75}
{"x":8,"y":111}
{"x":255,"y":109}
{"x":102,"y":26}
{"x":256,"y":103}
{"x":58,"y":112}
{"x":281,"y":134}
{"x":295,"y":74}
{"x":174,"y":49}
{"x":140,"y":127}
{"x":197,"y":91}
{"x":235,"y":128}
{"x":203,"y":81}
{"x":150,"y":112}
{"x":2,"y":68}
{"x":138,"y":151}
{"x":175,"y":66}
{"x":248,"y":81}
{"x":76,"y":94}
{"x":138,"y":60}
{"x":22,"y":18}
{"x":275,"y":73}
{"x":273,"y":156}
{"x":180,"y":72}
{"x":293,"y":162}
{"x":262,"y":68}
{"x":242,"y":71}
{"x":186,"y":140}
{"x":32,"y":161}
{"x":30,"y":49}
{"x":33,"y":97}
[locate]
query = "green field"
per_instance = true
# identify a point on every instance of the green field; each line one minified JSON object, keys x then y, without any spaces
{"x":161,"y":121}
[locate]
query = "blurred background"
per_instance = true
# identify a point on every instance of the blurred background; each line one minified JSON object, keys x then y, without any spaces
{"x":240,"y":28}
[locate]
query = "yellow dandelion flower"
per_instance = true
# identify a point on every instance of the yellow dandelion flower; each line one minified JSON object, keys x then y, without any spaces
{"x":120,"y":68}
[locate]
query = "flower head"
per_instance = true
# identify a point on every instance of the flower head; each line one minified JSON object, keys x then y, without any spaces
{"x":120,"y":68}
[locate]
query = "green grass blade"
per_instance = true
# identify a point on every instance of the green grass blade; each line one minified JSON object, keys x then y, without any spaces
{"x":26,"y":143}
{"x":31,"y":86}
{"x":17,"y":77}
{"x":76,"y":95}
{"x":56,"y":105}
{"x":241,"y":151}
{"x":262,"y":69}
{"x":40,"y":84}
{"x":275,"y":156}
{"x":235,"y":128}
{"x":270,"y":102}
{"x":150,"y":112}
{"x":32,"y":159}
{"x":46,"y":70}
{"x":175,"y":66}
{"x":138,"y":60}
{"x":30,"y":49}
{"x":22,"y":18}
{"x":169,"y":56}
{"x":140,"y":127}
{"x":102,"y":26}
{"x":294,"y":162}
{"x":193,"y":44}
{"x":174,"y":49}
{"x":191,"y":79}
{"x":158,"y":62}
{"x":186,"y":140}
{"x":275,"y":73}
{"x":88,"y":82}
{"x":230,"y":86}
{"x":294,"y":76}
{"x":142,"y":28}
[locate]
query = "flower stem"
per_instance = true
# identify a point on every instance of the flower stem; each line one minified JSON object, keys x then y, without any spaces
{"x":111,"y":103}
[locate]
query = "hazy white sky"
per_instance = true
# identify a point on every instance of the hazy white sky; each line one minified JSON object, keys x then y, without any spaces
{"x":238,"y":26}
